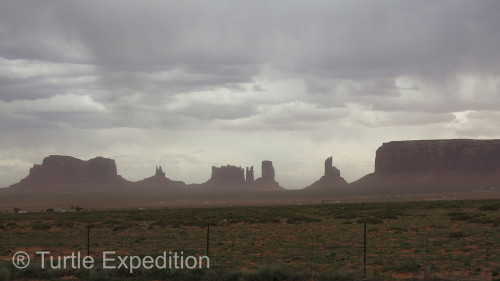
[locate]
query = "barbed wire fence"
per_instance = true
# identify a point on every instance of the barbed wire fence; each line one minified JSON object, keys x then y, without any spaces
{"x":394,"y":246}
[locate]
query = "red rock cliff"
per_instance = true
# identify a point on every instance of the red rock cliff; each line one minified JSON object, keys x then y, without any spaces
{"x":433,"y":167}
{"x":425,"y":155}
{"x":57,"y":171}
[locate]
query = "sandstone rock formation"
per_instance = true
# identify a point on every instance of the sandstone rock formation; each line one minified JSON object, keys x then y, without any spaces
{"x":267,"y":170}
{"x":159,"y":180}
{"x":330,"y":179}
{"x":267,"y":181}
{"x":425,"y":155}
{"x":231,"y":177}
{"x":249,"y":176}
{"x":65,"y":172}
{"x":159,"y":172}
{"x":423,"y":166}
{"x":330,"y":170}
{"x":227,"y":175}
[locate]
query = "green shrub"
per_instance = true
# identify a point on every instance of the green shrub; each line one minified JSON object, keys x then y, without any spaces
{"x":408,"y":266}
{"x":464,"y":216}
{"x":94,"y":275}
{"x":347,"y":215}
{"x":271,"y":273}
{"x":65,"y":224}
{"x":249,"y":276}
{"x":299,"y":219}
{"x":4,"y":274}
{"x":397,"y":229}
{"x":119,"y":228}
{"x":41,"y":226}
{"x":389,"y":214}
{"x":370,"y":220}
{"x":489,"y":207}
{"x":456,"y":234}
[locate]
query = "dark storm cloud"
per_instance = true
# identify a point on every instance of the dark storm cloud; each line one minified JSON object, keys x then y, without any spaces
{"x":345,"y":52}
{"x":138,"y":79}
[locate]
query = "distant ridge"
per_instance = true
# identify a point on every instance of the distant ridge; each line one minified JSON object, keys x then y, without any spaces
{"x":412,"y":167}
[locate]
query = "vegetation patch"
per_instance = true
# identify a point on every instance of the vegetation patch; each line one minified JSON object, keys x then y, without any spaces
{"x":370,"y":220}
{"x":302,"y":219}
{"x":408,"y":266}
{"x":315,"y":242}
{"x":41,"y":225}
{"x":464,"y":216}
{"x":489,"y":206}
{"x":456,"y":234}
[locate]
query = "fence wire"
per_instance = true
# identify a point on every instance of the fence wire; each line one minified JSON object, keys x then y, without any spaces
{"x":396,"y":245}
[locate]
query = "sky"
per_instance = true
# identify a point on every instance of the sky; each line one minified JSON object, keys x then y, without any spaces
{"x":193,"y":84}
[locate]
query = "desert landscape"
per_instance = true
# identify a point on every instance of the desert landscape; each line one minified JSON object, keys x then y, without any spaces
{"x":325,"y":140}
{"x":433,"y":240}
{"x":426,"y":213}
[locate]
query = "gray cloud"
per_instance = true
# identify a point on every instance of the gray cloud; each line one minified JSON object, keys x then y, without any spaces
{"x":258,"y":67}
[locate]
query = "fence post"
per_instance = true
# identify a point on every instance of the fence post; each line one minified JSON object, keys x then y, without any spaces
{"x":364,"y":251}
{"x":158,"y":245}
{"x":208,"y":240}
{"x":88,"y":240}
{"x":311,"y":257}
{"x":486,"y":254}
{"x":262,"y":251}
{"x":426,"y":275}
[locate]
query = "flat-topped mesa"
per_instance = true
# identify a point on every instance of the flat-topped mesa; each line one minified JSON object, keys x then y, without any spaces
{"x":227,"y":174}
{"x":426,"y":155}
{"x":330,"y":179}
{"x":57,"y":170}
{"x":433,"y":166}
{"x":70,"y":167}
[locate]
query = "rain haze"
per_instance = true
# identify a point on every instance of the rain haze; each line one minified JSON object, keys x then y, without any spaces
{"x":193,"y":84}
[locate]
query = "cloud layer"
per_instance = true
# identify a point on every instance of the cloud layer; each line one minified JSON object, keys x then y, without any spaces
{"x":193,"y":84}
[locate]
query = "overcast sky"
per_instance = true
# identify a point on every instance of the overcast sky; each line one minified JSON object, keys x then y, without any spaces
{"x":191,"y":84}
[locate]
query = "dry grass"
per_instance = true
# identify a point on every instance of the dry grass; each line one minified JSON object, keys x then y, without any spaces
{"x":449,"y":240}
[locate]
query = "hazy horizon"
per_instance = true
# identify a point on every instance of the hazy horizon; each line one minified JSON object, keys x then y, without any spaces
{"x":189,"y":85}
